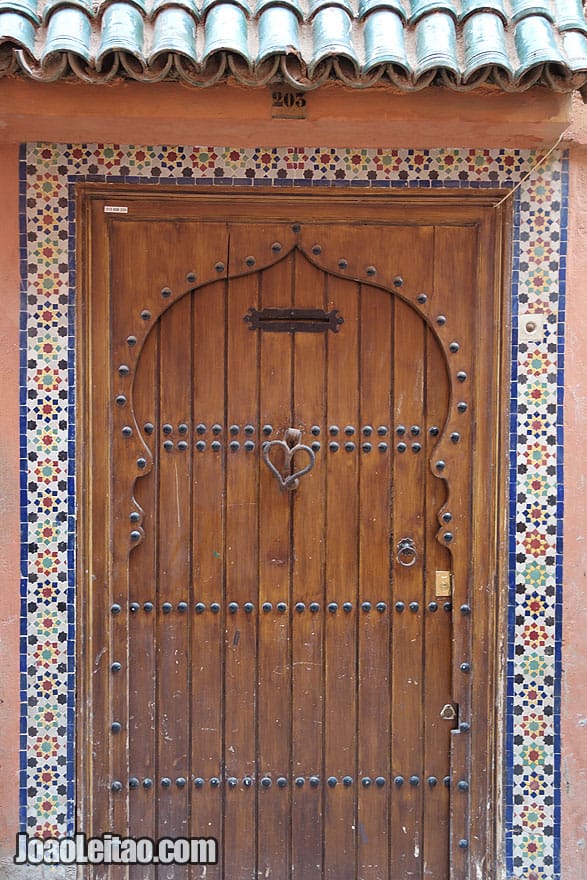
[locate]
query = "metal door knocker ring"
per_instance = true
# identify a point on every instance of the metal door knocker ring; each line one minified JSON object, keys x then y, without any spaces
{"x":290,"y":447}
{"x":406,"y":552}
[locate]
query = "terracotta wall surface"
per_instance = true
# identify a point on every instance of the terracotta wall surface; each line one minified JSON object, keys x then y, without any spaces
{"x":31,"y":112}
{"x":165,"y":112}
{"x":574,"y":684}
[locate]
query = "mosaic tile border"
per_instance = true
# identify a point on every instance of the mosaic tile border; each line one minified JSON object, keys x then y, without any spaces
{"x":48,"y":174}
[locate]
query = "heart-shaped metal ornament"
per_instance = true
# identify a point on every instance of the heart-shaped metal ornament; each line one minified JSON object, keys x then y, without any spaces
{"x":289,"y":447}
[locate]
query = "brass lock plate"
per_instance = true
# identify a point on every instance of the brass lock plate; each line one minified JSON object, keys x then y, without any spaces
{"x":443,"y":584}
{"x":448,"y":712}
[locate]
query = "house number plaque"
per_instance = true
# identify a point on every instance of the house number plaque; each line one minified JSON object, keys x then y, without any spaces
{"x":287,"y":103}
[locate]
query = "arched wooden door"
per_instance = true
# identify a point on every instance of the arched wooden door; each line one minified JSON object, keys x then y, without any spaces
{"x":284,"y":668}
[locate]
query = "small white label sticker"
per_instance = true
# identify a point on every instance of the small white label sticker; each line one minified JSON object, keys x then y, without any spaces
{"x":115,"y":209}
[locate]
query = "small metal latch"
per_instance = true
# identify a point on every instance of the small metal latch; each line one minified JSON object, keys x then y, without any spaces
{"x":448,"y":712}
{"x":443,"y":583}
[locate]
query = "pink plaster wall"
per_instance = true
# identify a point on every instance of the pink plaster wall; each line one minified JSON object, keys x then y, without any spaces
{"x":9,"y":494}
{"x":574,"y":688}
{"x":141,"y":113}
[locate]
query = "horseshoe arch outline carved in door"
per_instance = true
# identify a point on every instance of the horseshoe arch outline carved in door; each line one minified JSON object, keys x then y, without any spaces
{"x":290,"y":651}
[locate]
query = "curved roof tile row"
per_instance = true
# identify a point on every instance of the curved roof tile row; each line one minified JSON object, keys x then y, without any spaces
{"x":511,"y":43}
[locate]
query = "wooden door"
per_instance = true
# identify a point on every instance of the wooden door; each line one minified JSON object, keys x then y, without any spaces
{"x":292,"y":665}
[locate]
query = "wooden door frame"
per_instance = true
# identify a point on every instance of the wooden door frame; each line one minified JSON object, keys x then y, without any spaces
{"x":490,"y":538}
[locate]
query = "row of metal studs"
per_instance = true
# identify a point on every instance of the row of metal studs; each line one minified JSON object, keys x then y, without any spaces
{"x":233,"y":607}
{"x":316,"y":430}
{"x":333,"y":446}
{"x":314,"y":781}
{"x":249,"y":445}
{"x":334,"y":430}
{"x":300,"y":607}
{"x":282,"y":782}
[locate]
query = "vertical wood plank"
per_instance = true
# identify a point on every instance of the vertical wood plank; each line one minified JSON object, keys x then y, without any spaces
{"x":308,"y":584}
{"x":341,"y":587}
{"x":488,"y":394}
{"x":142,"y":290}
{"x":437,"y":626}
{"x":274,"y":671}
{"x":455,"y":275}
{"x":242,"y":470}
{"x":95,"y":611}
{"x":174,"y":573}
{"x":376,"y":356}
{"x":209,"y":605}
{"x":98,"y":551}
{"x":142,"y":632}
{"x":408,"y":589}
{"x":124,"y":472}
